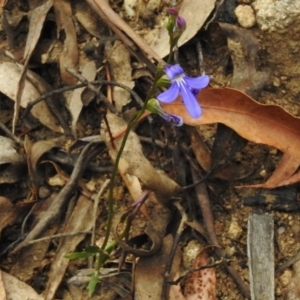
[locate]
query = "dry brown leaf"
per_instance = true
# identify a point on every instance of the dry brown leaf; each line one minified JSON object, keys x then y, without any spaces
{"x":6,"y":208}
{"x":17,"y":290}
{"x":37,"y":18}
{"x":89,"y":72}
{"x":2,"y":289}
{"x":36,"y":22}
{"x":137,"y":166}
{"x":119,"y":61}
{"x":80,"y":220}
{"x":149,"y":274}
{"x":88,"y":19}
{"x":39,"y":148}
{"x":8,"y":152}
{"x":11,"y":213}
{"x":284,"y":174}
{"x":201,"y":284}
{"x":69,"y":56}
{"x":259,"y":123}
{"x":25,"y":267}
{"x":195,"y":12}
{"x":10,"y":74}
{"x":244,"y":46}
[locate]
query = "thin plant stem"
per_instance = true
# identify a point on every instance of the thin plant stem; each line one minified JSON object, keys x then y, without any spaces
{"x":102,"y":256}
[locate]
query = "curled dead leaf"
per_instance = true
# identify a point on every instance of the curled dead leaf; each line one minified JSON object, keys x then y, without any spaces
{"x":256,"y":122}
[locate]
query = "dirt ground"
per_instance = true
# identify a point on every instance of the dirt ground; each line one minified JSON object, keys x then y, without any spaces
{"x":241,"y":49}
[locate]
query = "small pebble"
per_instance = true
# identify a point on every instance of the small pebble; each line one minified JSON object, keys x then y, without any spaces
{"x":234,"y":231}
{"x":295,"y":228}
{"x":276,"y":82}
{"x":263,"y":173}
{"x":245,"y":16}
{"x":281,"y":230}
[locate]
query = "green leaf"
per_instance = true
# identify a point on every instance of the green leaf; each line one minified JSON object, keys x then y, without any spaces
{"x":92,"y":249}
{"x":92,"y":284}
{"x":77,"y":255}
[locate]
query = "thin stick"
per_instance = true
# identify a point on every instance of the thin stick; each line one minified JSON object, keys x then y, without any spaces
{"x":45,"y":238}
{"x":179,"y":231}
{"x":92,"y":88}
{"x":74,"y":87}
{"x":204,"y":204}
{"x":96,"y":203}
{"x":11,"y":135}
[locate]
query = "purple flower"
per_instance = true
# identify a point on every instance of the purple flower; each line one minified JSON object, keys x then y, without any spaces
{"x":180,"y":24}
{"x":173,"y":119}
{"x":187,"y":86}
{"x":154,"y":106}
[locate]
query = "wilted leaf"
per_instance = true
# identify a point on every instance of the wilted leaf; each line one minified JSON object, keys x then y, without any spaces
{"x":135,"y":169}
{"x":80,"y":220}
{"x":150,"y":271}
{"x":201,"y":284}
{"x":69,"y":56}
{"x":88,"y":19}
{"x":8,"y":152}
{"x":284,"y":174}
{"x":10,"y":74}
{"x":2,"y":289}
{"x":16,"y":289}
{"x":24,"y":268}
{"x":36,"y":22}
{"x":243,"y":46}
{"x":119,"y":61}
{"x":75,"y":102}
{"x":159,"y":41}
{"x":259,"y":123}
{"x":39,"y":148}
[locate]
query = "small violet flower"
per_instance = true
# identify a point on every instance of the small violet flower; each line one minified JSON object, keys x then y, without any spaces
{"x":154,"y":106}
{"x":187,"y":86}
{"x":180,"y":24}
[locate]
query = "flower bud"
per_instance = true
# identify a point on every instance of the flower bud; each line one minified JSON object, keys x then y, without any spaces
{"x":172,"y":11}
{"x":180,"y":24}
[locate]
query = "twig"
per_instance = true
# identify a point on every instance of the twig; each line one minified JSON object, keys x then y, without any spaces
{"x":11,"y":135}
{"x":96,"y":203}
{"x":119,"y":26}
{"x":55,"y":209}
{"x":289,"y":262}
{"x":187,"y":273}
{"x":204,"y":204}
{"x":51,"y":237}
{"x":92,"y":88}
{"x":74,"y":87}
{"x":200,"y":57}
{"x":179,"y":231}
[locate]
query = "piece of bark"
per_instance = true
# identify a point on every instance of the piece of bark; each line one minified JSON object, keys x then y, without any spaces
{"x":260,"y":243}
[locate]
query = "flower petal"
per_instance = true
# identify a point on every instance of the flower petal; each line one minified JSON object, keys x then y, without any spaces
{"x":173,"y":119}
{"x":172,"y":71}
{"x":197,"y":82}
{"x":190,"y":102}
{"x":169,"y":95}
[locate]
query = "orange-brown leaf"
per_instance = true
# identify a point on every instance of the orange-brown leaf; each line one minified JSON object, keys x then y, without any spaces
{"x":259,"y":123}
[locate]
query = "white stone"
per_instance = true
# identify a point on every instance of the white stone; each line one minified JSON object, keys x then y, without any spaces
{"x":234,"y":231}
{"x":245,"y":15}
{"x":276,"y":15}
